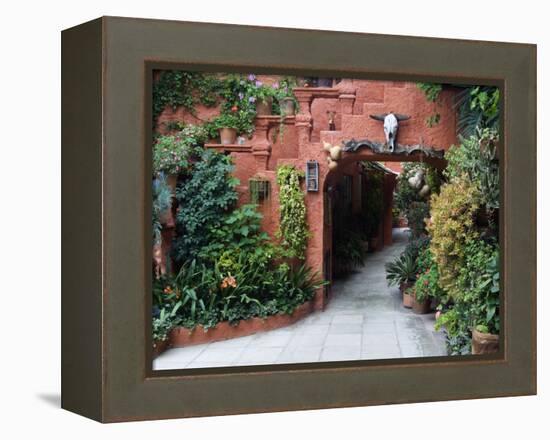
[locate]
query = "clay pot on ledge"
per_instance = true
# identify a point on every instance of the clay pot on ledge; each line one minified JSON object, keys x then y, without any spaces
{"x":228,"y":135}
{"x":484,"y":343}
{"x":407,"y":298}
{"x":288,"y":107}
{"x":263,"y":108}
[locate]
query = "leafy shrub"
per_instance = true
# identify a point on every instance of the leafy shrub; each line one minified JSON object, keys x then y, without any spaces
{"x":427,"y":282}
{"x":478,"y":108}
{"x":451,"y":227}
{"x":349,"y":251}
{"x":204,"y":197}
{"x":476,"y":158}
{"x":239,"y":233}
{"x":479,"y":279}
{"x":458,"y":334}
{"x":172,"y":153}
{"x":293,"y":228}
{"x":417,"y":213}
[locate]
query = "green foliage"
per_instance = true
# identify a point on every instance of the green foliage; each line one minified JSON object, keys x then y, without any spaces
{"x":479,"y":280}
{"x":452,"y":226}
{"x":162,"y":201}
{"x":203,"y":197}
{"x":239,"y":233}
{"x":478,"y":108}
{"x":206,"y":295}
{"x":293,"y":228}
{"x":172,"y":153}
{"x":402,"y":270}
{"x":348,"y":249}
{"x":177,"y":88}
{"x":427,"y":282}
{"x":479,"y":305}
{"x":431,"y":91}
{"x":476,"y":158}
{"x":417,"y":213}
{"x":458,"y":334}
{"x":164,"y":322}
{"x":226,"y":120}
{"x":373,"y":202}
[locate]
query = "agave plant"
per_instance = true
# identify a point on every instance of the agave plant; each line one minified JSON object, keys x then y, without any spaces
{"x":402,"y":270}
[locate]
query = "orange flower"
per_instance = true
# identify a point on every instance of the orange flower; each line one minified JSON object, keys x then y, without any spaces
{"x":234,"y":108}
{"x":168,"y":290}
{"x":228,"y":281}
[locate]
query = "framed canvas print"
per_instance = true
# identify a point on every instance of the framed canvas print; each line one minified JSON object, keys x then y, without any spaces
{"x":262,"y":219}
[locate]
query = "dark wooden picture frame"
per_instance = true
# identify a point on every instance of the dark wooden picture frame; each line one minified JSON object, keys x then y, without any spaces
{"x":106,"y":137}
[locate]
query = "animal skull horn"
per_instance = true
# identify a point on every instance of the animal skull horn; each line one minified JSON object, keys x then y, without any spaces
{"x":391,"y":125}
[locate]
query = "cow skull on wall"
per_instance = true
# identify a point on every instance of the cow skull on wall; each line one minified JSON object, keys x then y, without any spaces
{"x":391,"y":125}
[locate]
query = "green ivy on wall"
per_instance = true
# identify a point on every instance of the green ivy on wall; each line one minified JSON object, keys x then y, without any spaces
{"x":178,"y":88}
{"x":293,"y":228}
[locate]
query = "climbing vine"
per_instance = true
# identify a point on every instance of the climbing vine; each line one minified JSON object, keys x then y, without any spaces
{"x":178,"y":88}
{"x":293,"y":229}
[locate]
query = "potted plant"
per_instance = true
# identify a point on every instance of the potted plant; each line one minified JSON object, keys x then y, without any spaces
{"x":263,"y":96}
{"x":227,"y":125}
{"x":285,"y":96}
{"x":483,"y":341}
{"x":421,"y":303}
{"x":402,"y":273}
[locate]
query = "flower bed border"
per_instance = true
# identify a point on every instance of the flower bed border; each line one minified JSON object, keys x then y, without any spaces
{"x":184,"y":337}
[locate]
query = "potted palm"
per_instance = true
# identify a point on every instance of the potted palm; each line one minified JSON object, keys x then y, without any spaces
{"x":402,"y":272}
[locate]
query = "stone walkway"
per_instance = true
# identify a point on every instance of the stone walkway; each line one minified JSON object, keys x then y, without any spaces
{"x":364,"y":320}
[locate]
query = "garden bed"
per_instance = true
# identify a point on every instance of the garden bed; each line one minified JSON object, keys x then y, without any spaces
{"x":184,"y":337}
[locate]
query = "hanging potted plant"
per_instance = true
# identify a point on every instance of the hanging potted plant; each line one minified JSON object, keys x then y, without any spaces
{"x":402,"y":273}
{"x":227,"y":125}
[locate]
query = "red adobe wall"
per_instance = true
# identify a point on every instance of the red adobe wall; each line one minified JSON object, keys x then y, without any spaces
{"x":303,"y":136}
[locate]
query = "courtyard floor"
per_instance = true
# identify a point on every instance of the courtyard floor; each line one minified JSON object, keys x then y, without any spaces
{"x":365,"y":319}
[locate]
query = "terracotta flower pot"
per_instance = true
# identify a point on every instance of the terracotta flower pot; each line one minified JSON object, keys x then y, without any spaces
{"x":228,"y":135}
{"x":263,"y":108}
{"x":288,"y":107}
{"x":407,"y":298}
{"x":421,"y":307}
{"x":159,"y":347}
{"x":484,"y":343}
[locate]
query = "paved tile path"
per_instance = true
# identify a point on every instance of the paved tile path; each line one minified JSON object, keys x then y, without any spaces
{"x":364,"y":320}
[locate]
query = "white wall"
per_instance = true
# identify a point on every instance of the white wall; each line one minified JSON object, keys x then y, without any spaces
{"x":30,"y":257}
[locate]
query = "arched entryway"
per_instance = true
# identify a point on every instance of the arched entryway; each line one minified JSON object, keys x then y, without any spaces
{"x":361,"y":178}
